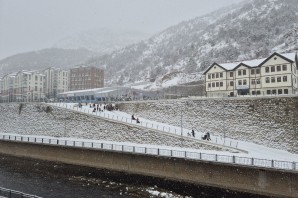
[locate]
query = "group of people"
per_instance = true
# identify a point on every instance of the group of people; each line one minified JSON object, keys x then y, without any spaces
{"x":134,"y":118}
{"x":205,"y":137}
{"x":100,"y":107}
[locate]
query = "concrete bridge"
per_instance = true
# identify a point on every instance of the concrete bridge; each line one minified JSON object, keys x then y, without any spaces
{"x":272,"y":178}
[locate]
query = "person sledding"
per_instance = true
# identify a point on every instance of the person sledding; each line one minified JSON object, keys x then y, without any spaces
{"x":206,"y":136}
{"x":133,"y":117}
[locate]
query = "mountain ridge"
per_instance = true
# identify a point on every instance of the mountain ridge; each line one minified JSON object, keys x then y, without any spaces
{"x":179,"y":54}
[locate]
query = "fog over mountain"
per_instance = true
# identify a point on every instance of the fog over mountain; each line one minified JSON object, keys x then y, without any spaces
{"x":41,"y":59}
{"x":245,"y":31}
{"x":248,"y":30}
{"x":101,"y":40}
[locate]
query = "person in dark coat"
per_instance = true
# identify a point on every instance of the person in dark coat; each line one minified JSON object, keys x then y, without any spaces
{"x":133,"y":117}
{"x":138,"y":121}
{"x":208,"y":136}
{"x":193,"y":133}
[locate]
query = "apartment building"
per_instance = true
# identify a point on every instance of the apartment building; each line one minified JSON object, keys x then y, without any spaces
{"x":86,"y":77}
{"x":7,"y":87}
{"x":22,"y":86}
{"x":56,"y":81}
{"x":275,"y":75}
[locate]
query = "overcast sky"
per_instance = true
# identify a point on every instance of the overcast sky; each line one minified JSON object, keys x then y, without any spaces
{"x":27,"y":25}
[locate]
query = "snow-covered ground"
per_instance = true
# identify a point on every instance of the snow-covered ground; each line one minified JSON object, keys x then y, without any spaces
{"x":228,"y":147}
{"x":252,"y":150}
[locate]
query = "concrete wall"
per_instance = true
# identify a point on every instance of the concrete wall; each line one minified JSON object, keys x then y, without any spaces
{"x":272,"y":121}
{"x":239,"y":178}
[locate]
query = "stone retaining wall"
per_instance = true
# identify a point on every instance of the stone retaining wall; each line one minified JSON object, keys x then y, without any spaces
{"x":269,"y":121}
{"x":42,"y":119}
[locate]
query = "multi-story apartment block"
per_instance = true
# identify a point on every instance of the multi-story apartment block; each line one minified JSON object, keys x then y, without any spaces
{"x":22,"y":86}
{"x":7,"y":87}
{"x":56,"y":81}
{"x":86,"y":77}
{"x":277,"y":74}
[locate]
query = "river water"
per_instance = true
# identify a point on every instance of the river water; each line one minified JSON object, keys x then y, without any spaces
{"x":55,"y":180}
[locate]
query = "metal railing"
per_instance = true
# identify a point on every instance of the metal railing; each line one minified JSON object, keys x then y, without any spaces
{"x":253,"y":162}
{"x":155,"y":126}
{"x":8,"y":193}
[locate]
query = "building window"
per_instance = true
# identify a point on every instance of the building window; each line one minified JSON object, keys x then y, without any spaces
{"x":268,"y":92}
{"x":286,"y":91}
{"x":258,"y":92}
{"x":279,"y":91}
{"x":278,"y":79}
{"x":231,"y":74}
{"x":239,"y":72}
{"x":213,"y":84}
{"x":272,"y":79}
{"x":231,"y":83}
{"x":253,"y":93}
{"x":217,"y":84}
{"x":217,"y":75}
{"x":244,"y":72}
{"x":220,"y":75}
{"x":272,"y":68}
{"x":273,"y":91}
{"x":252,"y":72}
{"x":267,"y":69}
{"x":253,"y":81}
{"x":213,"y":75}
{"x":258,"y":71}
{"x":284,"y":67}
{"x":244,"y":81}
{"x":221,"y":84}
{"x":278,"y":68}
{"x":258,"y":81}
{"x":35,"y":88}
{"x":285,"y":78}
{"x":209,"y":76}
{"x":209,"y":84}
{"x":239,"y":82}
{"x":267,"y":80}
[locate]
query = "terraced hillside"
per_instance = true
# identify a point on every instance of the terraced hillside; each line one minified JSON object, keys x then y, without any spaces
{"x":46,"y":120}
{"x":269,"y":121}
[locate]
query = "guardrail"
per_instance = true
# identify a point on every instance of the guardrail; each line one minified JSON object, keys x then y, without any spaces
{"x":4,"y":192}
{"x":253,"y":162}
{"x":155,"y":126}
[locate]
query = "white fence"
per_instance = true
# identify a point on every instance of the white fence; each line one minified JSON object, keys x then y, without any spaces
{"x":253,"y":162}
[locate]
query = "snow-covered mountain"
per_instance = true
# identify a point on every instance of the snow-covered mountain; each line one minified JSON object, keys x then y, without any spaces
{"x":102,"y":40}
{"x":41,"y":59}
{"x":248,"y":30}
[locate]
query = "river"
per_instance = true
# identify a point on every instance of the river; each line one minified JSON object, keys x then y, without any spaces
{"x":55,"y":180}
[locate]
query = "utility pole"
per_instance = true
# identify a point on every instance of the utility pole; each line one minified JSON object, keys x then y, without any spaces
{"x":181,"y":122}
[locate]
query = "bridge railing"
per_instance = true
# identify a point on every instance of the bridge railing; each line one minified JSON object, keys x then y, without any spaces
{"x":168,"y":129}
{"x":4,"y":192}
{"x":255,"y":162}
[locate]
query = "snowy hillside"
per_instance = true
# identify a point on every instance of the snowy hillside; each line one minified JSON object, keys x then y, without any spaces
{"x":101,"y":41}
{"x":41,"y":59}
{"x":243,"y":31}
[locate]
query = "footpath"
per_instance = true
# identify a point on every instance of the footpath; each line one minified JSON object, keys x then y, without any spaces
{"x":175,"y":131}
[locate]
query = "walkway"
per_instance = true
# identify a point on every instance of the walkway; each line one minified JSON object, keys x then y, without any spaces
{"x":123,"y":117}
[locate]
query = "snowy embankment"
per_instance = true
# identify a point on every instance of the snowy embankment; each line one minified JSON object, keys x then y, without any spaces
{"x":48,"y":120}
{"x":33,"y":119}
{"x":268,"y":121}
